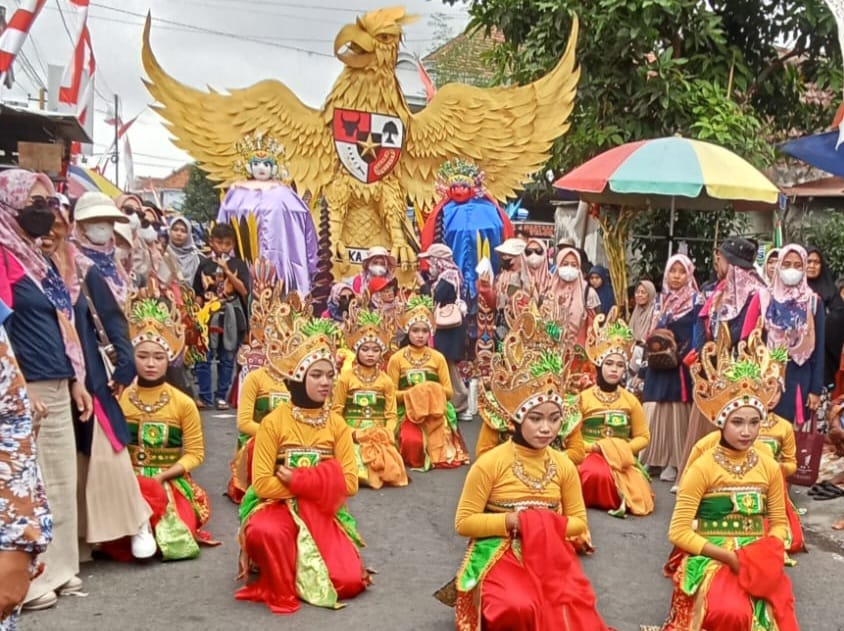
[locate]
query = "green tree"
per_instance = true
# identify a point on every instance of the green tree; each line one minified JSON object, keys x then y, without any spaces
{"x":202,"y":200}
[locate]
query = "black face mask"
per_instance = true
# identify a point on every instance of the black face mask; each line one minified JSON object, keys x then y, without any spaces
{"x":36,"y":221}
{"x":343,"y":303}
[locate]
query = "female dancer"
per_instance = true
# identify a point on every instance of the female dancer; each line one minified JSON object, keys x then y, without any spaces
{"x":295,"y":528}
{"x":614,"y":426}
{"x":729,"y":520}
{"x":520,"y":503}
{"x":366,"y":397}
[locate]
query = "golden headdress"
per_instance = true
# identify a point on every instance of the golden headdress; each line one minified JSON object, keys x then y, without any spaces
{"x":724,"y":382}
{"x":362,"y":325}
{"x":531,"y":369}
{"x":154,"y":317}
{"x":417,"y":309}
{"x":609,"y":335}
{"x":259,"y":147}
{"x":292,"y":352}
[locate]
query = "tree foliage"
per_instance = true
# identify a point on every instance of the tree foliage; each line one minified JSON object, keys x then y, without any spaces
{"x":825,"y":230}
{"x":202,"y":200}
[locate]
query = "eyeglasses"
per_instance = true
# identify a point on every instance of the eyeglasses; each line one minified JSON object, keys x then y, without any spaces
{"x":529,"y":251}
{"x":40,"y":202}
{"x":131,"y":210}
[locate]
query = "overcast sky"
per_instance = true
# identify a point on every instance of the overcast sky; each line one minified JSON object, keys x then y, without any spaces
{"x":289,"y":40}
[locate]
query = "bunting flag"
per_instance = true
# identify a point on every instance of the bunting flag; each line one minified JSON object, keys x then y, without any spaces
{"x":78,"y":81}
{"x":15,"y":33}
{"x":122,"y":128}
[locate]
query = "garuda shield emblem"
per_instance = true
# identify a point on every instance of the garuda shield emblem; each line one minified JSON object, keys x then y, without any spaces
{"x":368,"y":144}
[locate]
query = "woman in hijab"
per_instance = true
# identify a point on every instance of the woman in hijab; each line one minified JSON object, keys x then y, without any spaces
{"x":574,"y":301}
{"x":41,"y":328}
{"x":668,"y":391}
{"x":181,"y":247}
{"x":642,"y":317}
{"x":599,"y":278}
{"x":770,"y":265}
{"x":794,"y":320}
{"x":819,"y":275}
{"x":338,"y":301}
{"x":536,"y":268}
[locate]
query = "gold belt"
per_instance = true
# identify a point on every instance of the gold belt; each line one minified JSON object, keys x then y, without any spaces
{"x":154,"y":456}
{"x":509,"y":507}
{"x":732,"y":526}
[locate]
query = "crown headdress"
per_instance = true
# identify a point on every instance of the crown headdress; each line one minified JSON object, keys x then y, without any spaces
{"x":267,"y":299}
{"x":459,"y":171}
{"x":261,"y":147}
{"x":531,"y":369}
{"x":724,"y":381}
{"x":609,"y":335}
{"x":417,"y":309}
{"x":362,"y":325}
{"x":154,"y":317}
{"x":291,"y":353}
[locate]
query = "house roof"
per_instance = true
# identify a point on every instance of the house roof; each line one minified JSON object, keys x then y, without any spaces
{"x":21,"y":123}
{"x":832,"y":186}
{"x":177,"y":180}
{"x":462,"y":55}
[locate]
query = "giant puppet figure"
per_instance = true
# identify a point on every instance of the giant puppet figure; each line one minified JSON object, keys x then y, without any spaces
{"x":363,"y":150}
{"x":466,"y":219}
{"x":271,"y":220}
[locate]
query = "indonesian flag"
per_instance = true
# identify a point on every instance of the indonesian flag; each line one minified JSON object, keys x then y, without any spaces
{"x":78,"y":78}
{"x":15,"y":33}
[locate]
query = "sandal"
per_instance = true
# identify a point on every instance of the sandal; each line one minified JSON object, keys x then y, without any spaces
{"x":826,"y":495}
{"x":832,"y":488}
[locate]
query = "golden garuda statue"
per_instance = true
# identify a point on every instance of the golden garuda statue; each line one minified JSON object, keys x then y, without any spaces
{"x":363,"y":150}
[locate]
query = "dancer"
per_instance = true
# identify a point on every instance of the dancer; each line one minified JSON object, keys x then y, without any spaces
{"x":615,"y":429}
{"x":366,"y":397}
{"x":428,"y":432}
{"x":295,"y":528}
{"x":521,"y":502}
{"x":729,"y":520}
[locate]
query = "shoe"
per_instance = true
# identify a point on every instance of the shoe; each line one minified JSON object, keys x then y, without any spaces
{"x":45,"y":601}
{"x":73,"y":586}
{"x":202,"y":405}
{"x":222,"y":405}
{"x":465,"y":417}
{"x":669,"y":474}
{"x":674,"y":488}
{"x":143,"y":543}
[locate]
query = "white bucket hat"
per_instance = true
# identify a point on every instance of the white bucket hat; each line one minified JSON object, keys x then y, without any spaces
{"x":97,"y":206}
{"x":511,"y":247}
{"x":124,"y":231}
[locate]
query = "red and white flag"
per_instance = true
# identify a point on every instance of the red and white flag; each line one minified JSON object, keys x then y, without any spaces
{"x":15,"y":33}
{"x":78,"y":81}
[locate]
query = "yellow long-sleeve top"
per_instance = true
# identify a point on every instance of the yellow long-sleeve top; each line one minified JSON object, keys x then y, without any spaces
{"x":280,"y":432}
{"x":706,"y":478}
{"x":489,"y":438}
{"x":775,"y":434}
{"x":260,"y":393}
{"x":492,"y":489}
{"x":382,"y":410}
{"x":411,"y":365}
{"x":623,"y":418}
{"x":163,"y":435}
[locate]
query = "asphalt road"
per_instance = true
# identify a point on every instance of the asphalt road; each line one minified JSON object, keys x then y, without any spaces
{"x":413,"y":546}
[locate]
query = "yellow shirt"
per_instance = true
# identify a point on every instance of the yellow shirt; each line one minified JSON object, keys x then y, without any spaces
{"x":492,"y":484}
{"x":706,"y":477}
{"x":776,"y":434}
{"x":165,"y":429}
{"x":411,"y":365}
{"x":280,"y":431}
{"x":623,"y":418}
{"x":349,"y":383}
{"x":573,"y":446}
{"x":260,"y":390}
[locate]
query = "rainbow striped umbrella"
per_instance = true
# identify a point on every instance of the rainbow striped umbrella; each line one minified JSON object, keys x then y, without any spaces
{"x":672,"y":172}
{"x":81,"y":180}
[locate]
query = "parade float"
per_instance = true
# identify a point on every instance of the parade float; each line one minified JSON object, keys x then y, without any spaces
{"x":363,"y":153}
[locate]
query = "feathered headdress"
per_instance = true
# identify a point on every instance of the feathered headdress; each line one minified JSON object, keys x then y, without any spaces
{"x":417,"y":309}
{"x":310,"y":340}
{"x":459,"y":171}
{"x":724,"y":382}
{"x":154,"y":317}
{"x":259,"y":147}
{"x":362,"y":325}
{"x":609,"y":335}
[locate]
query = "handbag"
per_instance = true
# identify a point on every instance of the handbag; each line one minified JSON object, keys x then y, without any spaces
{"x":662,"y":350}
{"x":448,"y":316}
{"x":107,"y":351}
{"x":809,"y":450}
{"x":174,"y":538}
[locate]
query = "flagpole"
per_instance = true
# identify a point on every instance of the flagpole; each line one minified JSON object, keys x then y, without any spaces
{"x":115,"y":157}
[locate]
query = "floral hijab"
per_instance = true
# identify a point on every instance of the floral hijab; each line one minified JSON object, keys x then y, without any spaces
{"x":789,"y":312}
{"x":675,"y":304}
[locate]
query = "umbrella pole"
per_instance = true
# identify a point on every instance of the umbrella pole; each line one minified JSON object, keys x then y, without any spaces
{"x":671,"y":228}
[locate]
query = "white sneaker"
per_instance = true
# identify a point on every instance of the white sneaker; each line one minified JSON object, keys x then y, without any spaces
{"x":674,"y":488}
{"x":73,"y":586}
{"x":669,"y":474}
{"x":143,"y":544}
{"x":465,"y":417}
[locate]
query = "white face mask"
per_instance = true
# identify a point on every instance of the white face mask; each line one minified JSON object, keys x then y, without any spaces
{"x":99,"y":232}
{"x":148,"y":234}
{"x":791,"y":277}
{"x":121,"y":252}
{"x":568,"y":274}
{"x":135,"y":222}
{"x":534,"y":260}
{"x":377,"y":270}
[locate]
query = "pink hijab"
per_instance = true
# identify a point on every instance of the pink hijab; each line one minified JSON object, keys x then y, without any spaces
{"x":675,"y":304}
{"x":540,"y":277}
{"x":570,"y":297}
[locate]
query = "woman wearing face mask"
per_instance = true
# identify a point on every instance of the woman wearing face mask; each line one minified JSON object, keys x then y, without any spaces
{"x":536,"y":267}
{"x":50,"y":356}
{"x":729,"y":521}
{"x":573,"y":300}
{"x":794,"y":320}
{"x":615,"y":429}
{"x":110,"y":502}
{"x":294,"y":516}
{"x":520,"y":505}
{"x":511,"y":276}
{"x":142,"y":233}
{"x":378,"y":263}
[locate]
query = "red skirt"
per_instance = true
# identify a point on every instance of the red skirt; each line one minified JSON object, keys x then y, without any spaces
{"x":599,"y":490}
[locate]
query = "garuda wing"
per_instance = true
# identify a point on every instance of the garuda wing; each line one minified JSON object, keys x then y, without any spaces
{"x":208,"y":124}
{"x":506,"y":131}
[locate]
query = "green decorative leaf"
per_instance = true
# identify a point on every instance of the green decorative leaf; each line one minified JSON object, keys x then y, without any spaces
{"x":320,"y":326}
{"x":369,"y":318}
{"x":548,"y":363}
{"x":619,"y":329}
{"x":743,"y":370}
{"x":151,"y":308}
{"x":420,"y":300}
{"x":553,"y":330}
{"x":780,"y":354}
